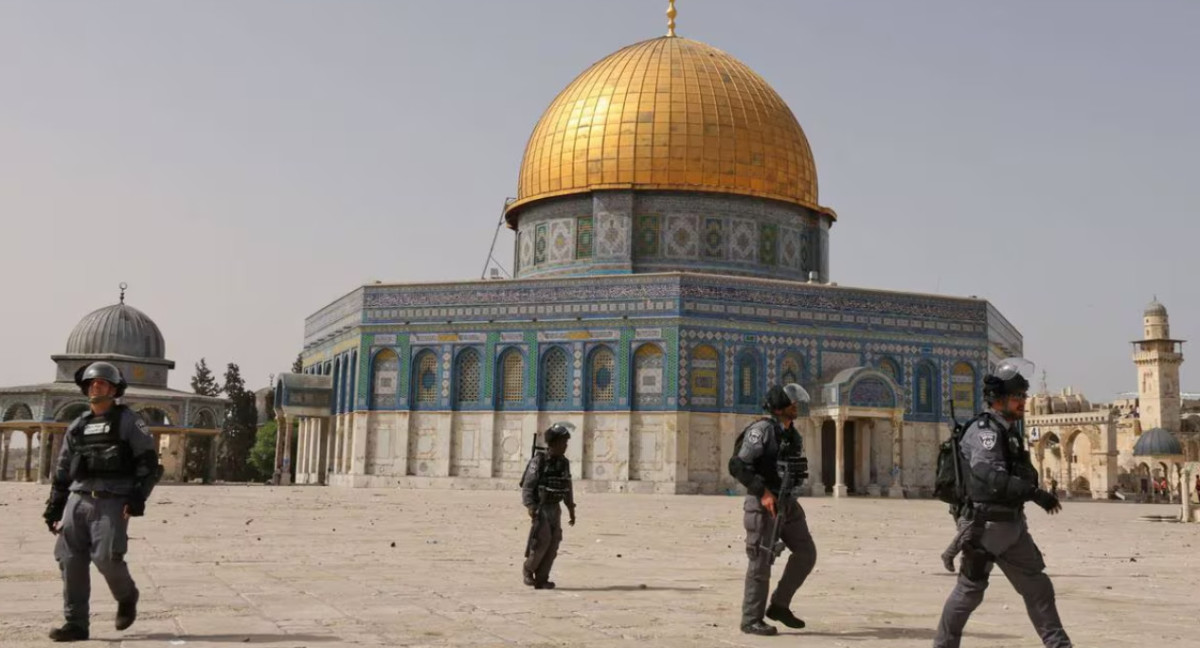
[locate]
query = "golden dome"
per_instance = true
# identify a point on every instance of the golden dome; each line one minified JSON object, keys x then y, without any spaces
{"x":669,"y":113}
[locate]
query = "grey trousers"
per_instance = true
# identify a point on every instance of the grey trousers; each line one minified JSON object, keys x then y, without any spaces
{"x":799,"y":541}
{"x":1008,"y":545}
{"x":547,"y":537}
{"x":93,"y":531}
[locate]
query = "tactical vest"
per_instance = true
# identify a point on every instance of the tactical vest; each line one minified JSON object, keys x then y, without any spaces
{"x":555,"y":480}
{"x":1016,"y":462}
{"x":97,"y":450}
{"x":783,"y":452}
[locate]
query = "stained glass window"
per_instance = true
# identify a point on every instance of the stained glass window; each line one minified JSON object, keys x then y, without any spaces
{"x":703,"y":375}
{"x":512,"y":372}
{"x":466,"y":377}
{"x":384,"y":379}
{"x":648,"y":376}
{"x":555,"y":376}
{"x":425,"y":378}
{"x":602,"y":388}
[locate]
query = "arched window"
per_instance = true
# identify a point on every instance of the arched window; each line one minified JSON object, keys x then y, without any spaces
{"x":512,"y":379}
{"x":648,"y":377}
{"x":425,"y":379}
{"x":466,"y":377}
{"x":601,"y":377}
{"x":791,"y":369}
{"x":385,"y":376}
{"x":703,"y":375}
{"x":889,"y":368}
{"x":924,"y":389}
{"x":747,"y":379}
{"x":962,"y":388}
{"x":554,"y":377}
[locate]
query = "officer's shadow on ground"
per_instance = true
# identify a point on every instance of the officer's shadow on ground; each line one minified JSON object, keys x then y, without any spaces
{"x":246,"y":638}
{"x":629,"y":588}
{"x":892,"y":632}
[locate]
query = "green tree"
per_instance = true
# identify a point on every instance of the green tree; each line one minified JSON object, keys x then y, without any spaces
{"x":203,"y":382}
{"x":298,"y":365}
{"x":262,"y":455}
{"x":241,"y":418}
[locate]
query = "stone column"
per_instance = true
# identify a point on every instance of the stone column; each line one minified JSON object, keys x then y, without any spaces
{"x":285,"y":477}
{"x":4,"y":439}
{"x":322,"y":430}
{"x":181,"y":469}
{"x":816,"y":480}
{"x":839,"y":459}
{"x":897,"y":485}
{"x":280,"y":423}
{"x":29,"y":455}
{"x":210,"y":469}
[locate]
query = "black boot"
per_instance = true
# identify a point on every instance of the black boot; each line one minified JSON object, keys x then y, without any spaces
{"x":127,"y":611}
{"x":784,"y":616}
{"x":544,"y":585}
{"x":69,"y":632}
{"x":529,"y":579}
{"x":759,"y":628}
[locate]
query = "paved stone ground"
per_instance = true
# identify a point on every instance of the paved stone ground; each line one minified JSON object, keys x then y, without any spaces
{"x":317,"y":567}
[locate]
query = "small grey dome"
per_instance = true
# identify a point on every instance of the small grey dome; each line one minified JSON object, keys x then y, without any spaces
{"x":1157,"y":442}
{"x":1155,"y":308}
{"x":118,"y":329}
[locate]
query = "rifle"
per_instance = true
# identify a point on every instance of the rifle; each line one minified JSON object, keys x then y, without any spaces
{"x":793,"y":469}
{"x":960,"y":488}
{"x":537,"y":515}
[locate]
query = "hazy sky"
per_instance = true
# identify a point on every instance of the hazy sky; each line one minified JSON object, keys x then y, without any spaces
{"x":243,"y":163}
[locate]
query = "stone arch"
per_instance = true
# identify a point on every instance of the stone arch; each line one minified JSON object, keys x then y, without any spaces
{"x":71,"y":411}
{"x":204,"y":418}
{"x":425,"y":381}
{"x":648,"y":376}
{"x":468,"y":378}
{"x":888,"y":366}
{"x":18,"y":412}
{"x":601,"y":377}
{"x":1050,"y":454}
{"x":704,"y":376}
{"x":555,"y":391}
{"x":155,"y":416}
{"x":748,"y":379}
{"x":385,"y":379}
{"x":1079,"y":463}
{"x":510,"y":383}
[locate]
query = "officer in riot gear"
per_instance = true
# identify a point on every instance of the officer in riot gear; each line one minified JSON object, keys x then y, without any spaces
{"x":999,"y":479}
{"x":770,"y":456}
{"x":106,"y":470}
{"x":545,"y":486}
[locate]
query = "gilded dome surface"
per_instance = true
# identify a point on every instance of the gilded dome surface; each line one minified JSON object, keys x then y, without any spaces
{"x":669,"y":114}
{"x":118,"y":329}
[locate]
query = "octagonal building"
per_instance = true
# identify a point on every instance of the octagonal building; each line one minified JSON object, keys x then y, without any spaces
{"x":672,"y":262}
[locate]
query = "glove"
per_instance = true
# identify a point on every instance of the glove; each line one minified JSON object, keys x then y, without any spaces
{"x":55,"y":506}
{"x":1046,"y":500}
{"x":137,"y":507}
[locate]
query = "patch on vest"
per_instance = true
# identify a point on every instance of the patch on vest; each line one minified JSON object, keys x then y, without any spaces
{"x":141,"y":425}
{"x":988,"y":439}
{"x":99,"y":427}
{"x":754,"y":435}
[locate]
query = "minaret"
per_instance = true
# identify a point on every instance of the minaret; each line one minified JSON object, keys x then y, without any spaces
{"x":1157,"y":358}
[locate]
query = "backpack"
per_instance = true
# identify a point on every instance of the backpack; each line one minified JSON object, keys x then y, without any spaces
{"x":948,"y":483}
{"x":533,"y":454}
{"x":737,"y":447}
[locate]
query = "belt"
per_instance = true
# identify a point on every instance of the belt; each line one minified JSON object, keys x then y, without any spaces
{"x":101,"y":494}
{"x":998,"y":516}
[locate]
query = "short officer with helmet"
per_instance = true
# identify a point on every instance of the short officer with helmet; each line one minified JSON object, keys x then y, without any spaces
{"x":769,"y":461}
{"x":998,"y":478}
{"x":545,"y":486}
{"x":106,"y":470}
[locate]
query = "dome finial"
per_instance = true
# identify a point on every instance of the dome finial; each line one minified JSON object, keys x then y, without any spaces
{"x":671,"y":13}
{"x":123,"y":286}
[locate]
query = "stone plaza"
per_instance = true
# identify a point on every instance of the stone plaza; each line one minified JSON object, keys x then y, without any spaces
{"x":321,"y":567}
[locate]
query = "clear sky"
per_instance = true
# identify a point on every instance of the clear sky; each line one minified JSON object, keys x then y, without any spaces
{"x":243,"y":163}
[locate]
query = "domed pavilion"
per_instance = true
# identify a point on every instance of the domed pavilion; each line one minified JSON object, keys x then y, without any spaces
{"x":128,"y":338}
{"x":672,"y":261}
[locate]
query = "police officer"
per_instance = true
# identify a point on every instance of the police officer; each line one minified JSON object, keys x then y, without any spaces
{"x":105,"y":472}
{"x":770,"y":446}
{"x":546,"y":485}
{"x":1000,"y":478}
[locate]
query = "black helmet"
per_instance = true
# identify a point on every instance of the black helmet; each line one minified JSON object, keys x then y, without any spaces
{"x":1007,"y":379}
{"x":781,"y":396}
{"x":103,"y":371}
{"x":560,"y":430}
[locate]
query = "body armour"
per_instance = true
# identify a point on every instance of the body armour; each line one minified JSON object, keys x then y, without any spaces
{"x":766,"y":451}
